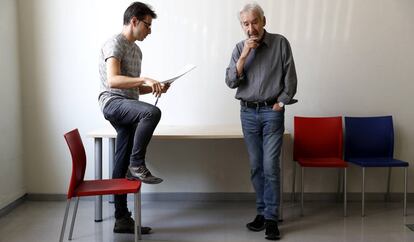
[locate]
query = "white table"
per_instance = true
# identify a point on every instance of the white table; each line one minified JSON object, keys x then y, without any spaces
{"x":165,"y":133}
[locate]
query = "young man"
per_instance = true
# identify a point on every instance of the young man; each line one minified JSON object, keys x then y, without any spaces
{"x":263,"y":71}
{"x":133,"y":120}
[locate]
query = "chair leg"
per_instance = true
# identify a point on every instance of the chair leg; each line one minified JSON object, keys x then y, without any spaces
{"x":294,"y":183}
{"x":338,"y":189}
{"x":137,"y":215}
{"x":363,"y":192}
{"x":345,"y":198}
{"x":302,"y":171}
{"x":388,"y":197}
{"x":405,"y":190}
{"x":65,"y":218}
{"x":75,"y":210}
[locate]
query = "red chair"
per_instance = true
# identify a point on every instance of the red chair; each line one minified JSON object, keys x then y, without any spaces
{"x":78,"y":187}
{"x":318,"y":143}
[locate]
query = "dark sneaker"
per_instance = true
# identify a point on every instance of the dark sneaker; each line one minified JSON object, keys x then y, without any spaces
{"x":258,"y":224}
{"x":125,"y":225}
{"x":272,"y":231}
{"x":143,"y":174}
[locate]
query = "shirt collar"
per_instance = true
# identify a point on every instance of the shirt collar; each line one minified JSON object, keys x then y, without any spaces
{"x":266,"y":38}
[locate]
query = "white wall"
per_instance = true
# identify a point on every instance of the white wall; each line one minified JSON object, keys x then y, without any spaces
{"x":353,"y":58}
{"x":11,"y":151}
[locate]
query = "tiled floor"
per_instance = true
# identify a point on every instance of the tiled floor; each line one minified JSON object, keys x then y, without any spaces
{"x":212,"y":221}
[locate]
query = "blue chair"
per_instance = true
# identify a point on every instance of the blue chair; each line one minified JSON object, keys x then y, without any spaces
{"x":369,"y":142}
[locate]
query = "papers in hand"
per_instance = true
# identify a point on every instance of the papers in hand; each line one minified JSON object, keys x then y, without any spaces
{"x":180,"y":73}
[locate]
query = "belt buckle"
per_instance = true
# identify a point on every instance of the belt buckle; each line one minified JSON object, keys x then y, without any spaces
{"x":254,"y":104}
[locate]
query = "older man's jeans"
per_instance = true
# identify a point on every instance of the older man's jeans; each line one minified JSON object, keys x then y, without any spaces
{"x":263,"y":134}
{"x":134,"y":122}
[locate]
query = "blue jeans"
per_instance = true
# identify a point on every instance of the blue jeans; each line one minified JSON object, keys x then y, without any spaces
{"x":134,"y":122}
{"x":263,"y":134}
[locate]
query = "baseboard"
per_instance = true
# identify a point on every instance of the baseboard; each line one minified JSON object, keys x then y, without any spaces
{"x":351,"y":197}
{"x":48,"y":197}
{"x":154,"y":196}
{"x":234,"y":197}
{"x":199,"y":197}
{"x":7,"y":209}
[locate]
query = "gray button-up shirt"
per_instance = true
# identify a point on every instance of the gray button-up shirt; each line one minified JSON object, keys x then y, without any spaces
{"x":269,"y":72}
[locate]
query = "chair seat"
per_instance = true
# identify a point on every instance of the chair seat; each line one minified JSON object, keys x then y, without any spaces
{"x":322,"y":162}
{"x":107,"y":186}
{"x":378,"y":162}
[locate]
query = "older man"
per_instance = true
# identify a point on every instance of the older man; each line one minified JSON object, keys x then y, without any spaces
{"x":263,"y":71}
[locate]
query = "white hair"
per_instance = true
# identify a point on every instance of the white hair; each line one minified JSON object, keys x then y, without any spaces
{"x":252,"y":6}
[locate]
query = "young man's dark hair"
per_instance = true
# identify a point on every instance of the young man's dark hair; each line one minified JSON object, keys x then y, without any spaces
{"x":138,"y":10}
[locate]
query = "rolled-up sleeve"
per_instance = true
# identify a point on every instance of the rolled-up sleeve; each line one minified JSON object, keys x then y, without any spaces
{"x":289,"y":71}
{"x":232,"y":80}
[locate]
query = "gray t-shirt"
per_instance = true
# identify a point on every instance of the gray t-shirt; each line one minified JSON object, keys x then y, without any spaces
{"x":130,"y":56}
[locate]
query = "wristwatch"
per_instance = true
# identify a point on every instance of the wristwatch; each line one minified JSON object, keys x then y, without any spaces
{"x":281,"y":104}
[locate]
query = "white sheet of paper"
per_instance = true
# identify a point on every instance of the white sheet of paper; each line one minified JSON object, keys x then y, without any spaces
{"x":182,"y":72}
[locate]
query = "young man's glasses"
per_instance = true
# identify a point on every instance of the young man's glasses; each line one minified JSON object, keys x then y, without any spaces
{"x":147,"y":25}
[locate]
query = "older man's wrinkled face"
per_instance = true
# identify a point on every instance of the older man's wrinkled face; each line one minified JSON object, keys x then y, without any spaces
{"x":252,"y":24}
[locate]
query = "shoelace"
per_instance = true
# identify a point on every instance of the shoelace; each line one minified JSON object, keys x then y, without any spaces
{"x":145,"y":172}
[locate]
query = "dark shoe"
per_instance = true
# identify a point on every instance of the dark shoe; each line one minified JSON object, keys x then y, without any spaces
{"x":126,"y":225}
{"x":258,"y":224}
{"x":272,"y":231}
{"x":143,"y":174}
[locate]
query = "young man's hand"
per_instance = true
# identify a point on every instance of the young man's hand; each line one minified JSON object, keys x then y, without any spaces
{"x":164,"y":87}
{"x":155,"y":86}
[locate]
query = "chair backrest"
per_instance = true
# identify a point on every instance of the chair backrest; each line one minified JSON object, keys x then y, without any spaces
{"x":371,"y":137}
{"x":317,"y":137}
{"x":77,"y":152}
